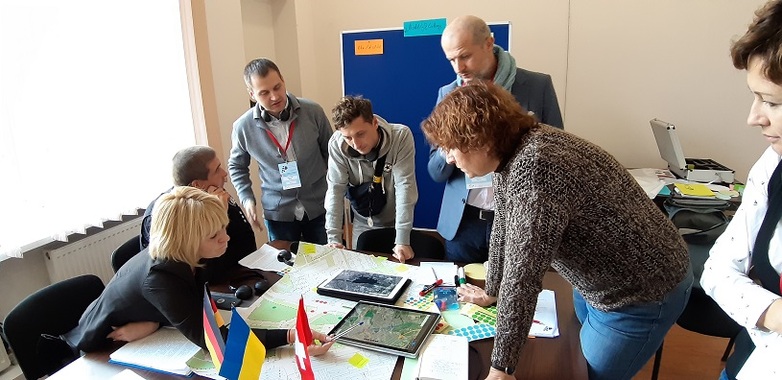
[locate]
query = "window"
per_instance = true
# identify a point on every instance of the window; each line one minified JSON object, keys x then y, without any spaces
{"x":93,"y":104}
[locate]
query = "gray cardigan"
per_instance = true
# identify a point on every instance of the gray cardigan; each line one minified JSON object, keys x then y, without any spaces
{"x":398,"y":182}
{"x":310,"y":142}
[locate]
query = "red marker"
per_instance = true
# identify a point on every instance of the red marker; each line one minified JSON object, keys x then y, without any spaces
{"x":429,"y":288}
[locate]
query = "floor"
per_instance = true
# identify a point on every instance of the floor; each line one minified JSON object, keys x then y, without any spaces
{"x":688,"y":355}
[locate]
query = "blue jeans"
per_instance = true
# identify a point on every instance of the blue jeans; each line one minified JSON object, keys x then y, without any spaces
{"x":313,"y":231}
{"x":471,"y":242}
{"x":618,"y":343}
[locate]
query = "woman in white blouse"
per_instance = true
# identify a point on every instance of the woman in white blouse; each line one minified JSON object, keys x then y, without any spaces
{"x":742,"y":273}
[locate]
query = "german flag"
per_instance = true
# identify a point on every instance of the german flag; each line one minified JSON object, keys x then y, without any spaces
{"x":213,"y":321}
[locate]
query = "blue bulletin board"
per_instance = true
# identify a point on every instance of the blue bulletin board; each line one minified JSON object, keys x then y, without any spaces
{"x":402,"y":83}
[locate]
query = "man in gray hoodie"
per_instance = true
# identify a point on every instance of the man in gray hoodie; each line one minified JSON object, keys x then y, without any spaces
{"x":363,"y":143}
{"x":288,"y":137}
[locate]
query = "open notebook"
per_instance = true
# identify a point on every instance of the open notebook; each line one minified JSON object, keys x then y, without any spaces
{"x":166,"y":351}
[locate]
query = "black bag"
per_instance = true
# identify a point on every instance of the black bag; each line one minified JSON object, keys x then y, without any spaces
{"x":369,"y":198}
{"x":700,"y":222}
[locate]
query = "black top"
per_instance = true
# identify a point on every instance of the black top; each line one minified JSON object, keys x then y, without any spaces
{"x":240,"y":231}
{"x":144,"y":289}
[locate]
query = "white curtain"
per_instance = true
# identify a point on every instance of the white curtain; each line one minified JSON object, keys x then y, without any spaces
{"x":93,"y":104}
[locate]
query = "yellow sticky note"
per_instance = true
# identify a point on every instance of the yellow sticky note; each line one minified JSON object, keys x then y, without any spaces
{"x":368,"y":47}
{"x":307,"y":248}
{"x":401,"y":268}
{"x":694,"y":189}
{"x":358,"y":360}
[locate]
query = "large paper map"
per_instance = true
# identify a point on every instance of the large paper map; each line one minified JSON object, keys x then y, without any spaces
{"x":277,"y":309}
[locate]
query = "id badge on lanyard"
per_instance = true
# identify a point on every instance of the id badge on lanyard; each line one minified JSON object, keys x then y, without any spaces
{"x":289,"y":170}
{"x":479,"y":182}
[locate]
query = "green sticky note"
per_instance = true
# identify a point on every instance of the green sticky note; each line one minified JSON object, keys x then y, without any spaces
{"x":457,"y":320}
{"x":358,"y":360}
{"x":409,"y":368}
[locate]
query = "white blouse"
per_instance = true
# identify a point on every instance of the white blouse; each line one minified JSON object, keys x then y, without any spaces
{"x":725,"y":276}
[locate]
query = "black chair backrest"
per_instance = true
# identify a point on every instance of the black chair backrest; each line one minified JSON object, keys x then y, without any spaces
{"x":123,"y":253}
{"x":53,"y":310}
{"x":382,"y":240}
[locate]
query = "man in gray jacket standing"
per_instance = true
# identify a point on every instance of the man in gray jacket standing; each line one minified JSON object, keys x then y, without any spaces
{"x":288,"y":137}
{"x":366,"y":144}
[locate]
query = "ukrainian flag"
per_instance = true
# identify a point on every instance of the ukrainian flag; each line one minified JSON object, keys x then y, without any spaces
{"x":244,"y":352}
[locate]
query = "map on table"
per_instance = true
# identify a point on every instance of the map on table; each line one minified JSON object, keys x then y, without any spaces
{"x":387,"y":328}
{"x":276,"y":309}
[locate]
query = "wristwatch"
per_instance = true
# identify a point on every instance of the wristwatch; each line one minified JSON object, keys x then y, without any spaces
{"x":507,"y":370}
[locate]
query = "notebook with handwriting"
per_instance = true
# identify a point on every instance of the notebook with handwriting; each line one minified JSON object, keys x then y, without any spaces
{"x":165,"y":351}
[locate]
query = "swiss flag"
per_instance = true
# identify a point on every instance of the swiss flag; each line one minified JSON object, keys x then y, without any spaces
{"x":303,"y":340}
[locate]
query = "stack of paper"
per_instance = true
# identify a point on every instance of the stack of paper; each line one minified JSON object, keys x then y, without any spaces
{"x":166,"y":351}
{"x":545,"y":323}
{"x":265,"y":258}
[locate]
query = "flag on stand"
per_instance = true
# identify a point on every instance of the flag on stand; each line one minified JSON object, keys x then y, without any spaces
{"x":244,"y":352}
{"x":213,"y":321}
{"x":303,"y":340}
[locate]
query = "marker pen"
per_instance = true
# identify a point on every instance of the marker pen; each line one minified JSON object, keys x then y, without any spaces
{"x":429,"y":288}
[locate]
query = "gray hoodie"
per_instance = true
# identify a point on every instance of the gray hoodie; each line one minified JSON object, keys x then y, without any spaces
{"x":398,"y":182}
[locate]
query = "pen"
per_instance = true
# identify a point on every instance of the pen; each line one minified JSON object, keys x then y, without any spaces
{"x":537,"y":322}
{"x":344,"y":332}
{"x":428,"y":288}
{"x":462,"y":279}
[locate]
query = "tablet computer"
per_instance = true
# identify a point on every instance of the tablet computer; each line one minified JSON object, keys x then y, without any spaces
{"x":387,"y":328}
{"x":364,"y":286}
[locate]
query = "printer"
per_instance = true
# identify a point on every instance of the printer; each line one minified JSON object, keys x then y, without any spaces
{"x":692,"y":169}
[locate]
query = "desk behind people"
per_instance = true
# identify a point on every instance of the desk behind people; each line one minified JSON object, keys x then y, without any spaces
{"x":542,"y":358}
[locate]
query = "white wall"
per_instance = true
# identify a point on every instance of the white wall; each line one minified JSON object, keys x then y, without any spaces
{"x":615,"y":64}
{"x":19,"y":278}
{"x":631,"y":61}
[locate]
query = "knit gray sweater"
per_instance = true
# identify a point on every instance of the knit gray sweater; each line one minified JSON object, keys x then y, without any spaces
{"x":562,"y":201}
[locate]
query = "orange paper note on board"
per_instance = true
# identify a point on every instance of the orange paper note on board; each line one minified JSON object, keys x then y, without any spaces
{"x":369,"y":47}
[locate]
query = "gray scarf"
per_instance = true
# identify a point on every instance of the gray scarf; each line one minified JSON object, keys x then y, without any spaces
{"x":506,"y":69}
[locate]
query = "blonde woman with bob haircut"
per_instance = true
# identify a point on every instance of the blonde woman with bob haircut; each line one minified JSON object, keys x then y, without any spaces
{"x":204,"y":215}
{"x":163,"y":285}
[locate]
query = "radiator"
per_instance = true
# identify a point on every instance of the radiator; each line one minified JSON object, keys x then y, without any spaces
{"x":91,"y":255}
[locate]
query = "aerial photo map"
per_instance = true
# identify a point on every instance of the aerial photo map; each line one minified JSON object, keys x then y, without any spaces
{"x":385,"y":326}
{"x":374,"y":284}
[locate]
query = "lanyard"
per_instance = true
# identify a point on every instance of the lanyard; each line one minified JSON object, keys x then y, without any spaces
{"x":284,"y":151}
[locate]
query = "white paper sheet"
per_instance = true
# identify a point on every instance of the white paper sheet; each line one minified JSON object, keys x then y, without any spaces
{"x":265,"y":258}
{"x":444,"y":357}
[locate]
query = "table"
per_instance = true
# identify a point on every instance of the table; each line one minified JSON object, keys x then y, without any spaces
{"x":541,"y":358}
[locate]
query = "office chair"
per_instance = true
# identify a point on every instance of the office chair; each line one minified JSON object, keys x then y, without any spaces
{"x":123,"y":253}
{"x":701,"y":314}
{"x":49,"y":312}
{"x":381,"y":240}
